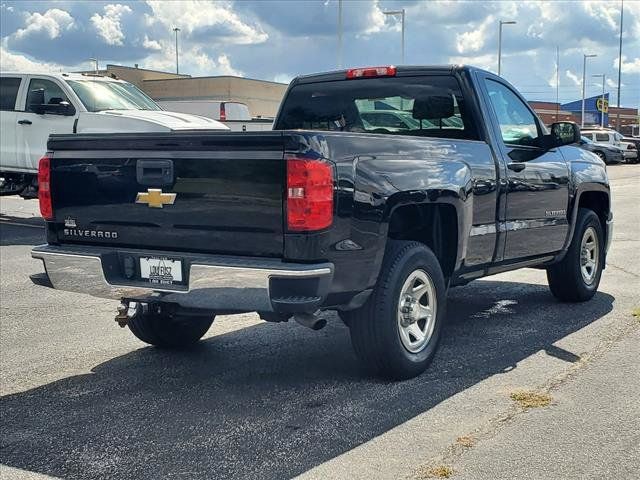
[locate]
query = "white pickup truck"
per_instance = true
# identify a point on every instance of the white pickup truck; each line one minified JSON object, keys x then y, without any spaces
{"x":34,"y":105}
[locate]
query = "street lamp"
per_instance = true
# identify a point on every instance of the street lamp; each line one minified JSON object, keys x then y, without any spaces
{"x":176,"y":30}
{"x":401,"y":13}
{"x":510,"y":22}
{"x":602,"y":105}
{"x":584,"y":74}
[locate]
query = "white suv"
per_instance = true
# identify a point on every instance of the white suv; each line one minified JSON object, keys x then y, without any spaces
{"x":611,"y":137}
{"x":34,"y":106}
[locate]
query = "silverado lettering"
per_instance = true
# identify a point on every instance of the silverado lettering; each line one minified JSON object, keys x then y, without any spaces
{"x":377,"y":191}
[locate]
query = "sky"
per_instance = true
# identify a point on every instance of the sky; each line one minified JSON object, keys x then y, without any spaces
{"x":279,"y":39}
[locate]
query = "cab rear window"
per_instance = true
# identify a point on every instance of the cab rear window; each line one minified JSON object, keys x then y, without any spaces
{"x":429,"y":106}
{"x":9,"y":92}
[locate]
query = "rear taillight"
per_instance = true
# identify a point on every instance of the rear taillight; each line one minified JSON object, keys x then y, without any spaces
{"x":44,"y":188}
{"x":309,"y":194}
{"x":223,"y":113}
{"x":371,"y":72}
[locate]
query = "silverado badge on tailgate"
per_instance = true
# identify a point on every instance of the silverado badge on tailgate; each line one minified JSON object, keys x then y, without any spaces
{"x":155,"y":198}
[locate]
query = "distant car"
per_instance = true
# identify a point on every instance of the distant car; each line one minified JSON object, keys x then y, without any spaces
{"x":235,"y":115}
{"x":611,"y":137}
{"x":391,"y":120}
{"x":607,"y":153}
{"x":635,"y":142}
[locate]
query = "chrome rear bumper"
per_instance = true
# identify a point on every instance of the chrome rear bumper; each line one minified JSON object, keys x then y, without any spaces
{"x":213,"y":282}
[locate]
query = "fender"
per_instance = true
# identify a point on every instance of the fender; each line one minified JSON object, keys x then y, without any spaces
{"x":579,"y":188}
{"x":429,"y":182}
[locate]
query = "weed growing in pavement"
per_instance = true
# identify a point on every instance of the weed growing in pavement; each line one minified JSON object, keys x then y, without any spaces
{"x":439,"y":471}
{"x":466,"y":441}
{"x":531,"y":399}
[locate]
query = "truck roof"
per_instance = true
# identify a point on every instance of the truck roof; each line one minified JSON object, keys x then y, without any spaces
{"x":403,"y":70}
{"x":63,"y":76}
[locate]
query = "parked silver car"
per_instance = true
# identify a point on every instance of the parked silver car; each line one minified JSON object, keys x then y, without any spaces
{"x":607,"y":153}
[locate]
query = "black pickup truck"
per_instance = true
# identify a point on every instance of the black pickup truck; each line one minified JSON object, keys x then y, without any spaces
{"x":378,"y":190}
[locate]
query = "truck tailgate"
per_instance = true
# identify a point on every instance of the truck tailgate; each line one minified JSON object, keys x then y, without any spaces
{"x":214,"y":193}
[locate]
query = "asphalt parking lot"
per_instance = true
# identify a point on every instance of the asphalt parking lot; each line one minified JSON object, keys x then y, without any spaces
{"x":83,"y":399}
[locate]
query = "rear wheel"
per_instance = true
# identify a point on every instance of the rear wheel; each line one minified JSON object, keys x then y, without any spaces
{"x":602,"y":156}
{"x":577,"y":276}
{"x":396,"y":332}
{"x":165,"y":329}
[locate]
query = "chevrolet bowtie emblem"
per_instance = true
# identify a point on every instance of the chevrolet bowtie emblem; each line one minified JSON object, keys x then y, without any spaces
{"x":155,"y":198}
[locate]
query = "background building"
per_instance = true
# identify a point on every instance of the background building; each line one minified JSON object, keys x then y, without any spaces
{"x":262,"y":97}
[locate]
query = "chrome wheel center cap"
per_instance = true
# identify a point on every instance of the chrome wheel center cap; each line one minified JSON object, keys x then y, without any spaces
{"x":409,"y":311}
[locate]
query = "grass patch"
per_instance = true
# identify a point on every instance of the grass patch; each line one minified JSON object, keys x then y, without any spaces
{"x":466,"y":441}
{"x":439,"y":471}
{"x":636,"y":313}
{"x":531,"y":399}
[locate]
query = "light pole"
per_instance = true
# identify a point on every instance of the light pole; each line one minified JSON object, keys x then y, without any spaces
{"x":509,"y":22}
{"x":584,"y":75}
{"x":339,"y":33}
{"x":602,"y":104}
{"x":401,"y":13}
{"x":619,"y":65}
{"x":176,"y":30}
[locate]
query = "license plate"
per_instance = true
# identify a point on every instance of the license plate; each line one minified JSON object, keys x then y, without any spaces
{"x":161,"y":270}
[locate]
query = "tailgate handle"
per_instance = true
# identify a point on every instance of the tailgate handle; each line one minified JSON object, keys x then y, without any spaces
{"x":154,"y":173}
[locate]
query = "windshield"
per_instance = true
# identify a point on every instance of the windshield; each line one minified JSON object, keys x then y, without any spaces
{"x":429,"y":105}
{"x":586,"y":140}
{"x":98,"y":95}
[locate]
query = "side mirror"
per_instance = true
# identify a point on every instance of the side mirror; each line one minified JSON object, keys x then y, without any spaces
{"x":564,"y":133}
{"x":61,"y":108}
{"x":35,"y":102}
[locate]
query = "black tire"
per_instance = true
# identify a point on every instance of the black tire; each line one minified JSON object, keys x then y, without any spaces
{"x":566,"y":279}
{"x":375,"y":331}
{"x":602,"y":156}
{"x":168,"y":330}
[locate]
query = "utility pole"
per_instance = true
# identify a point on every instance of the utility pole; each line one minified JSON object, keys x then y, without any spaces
{"x":584,"y":75}
{"x":402,"y":15}
{"x":176,"y":30}
{"x":510,"y":22}
{"x":602,"y":101}
{"x":619,"y":65}
{"x":557,"y":83}
{"x":339,"y":33}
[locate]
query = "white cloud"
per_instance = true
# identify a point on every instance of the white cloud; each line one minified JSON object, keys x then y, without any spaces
{"x":151,"y":44}
{"x":194,"y":60}
{"x":487,"y":62}
{"x":52,"y":22}
{"x":473,"y":40}
{"x":376,"y":20}
{"x":108,"y":25}
{"x":632,"y":66}
{"x":194,"y":15}
{"x":573,"y":77}
{"x":19,"y":63}
{"x":283,"y":78}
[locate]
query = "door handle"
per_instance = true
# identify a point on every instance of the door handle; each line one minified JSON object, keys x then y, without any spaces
{"x":516,"y":166}
{"x":25,"y":122}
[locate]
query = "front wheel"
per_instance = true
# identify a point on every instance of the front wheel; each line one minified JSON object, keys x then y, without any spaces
{"x":577,"y":276}
{"x":396,"y":332}
{"x":166,"y":329}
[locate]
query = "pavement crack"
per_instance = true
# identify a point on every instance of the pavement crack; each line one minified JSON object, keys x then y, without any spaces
{"x":454,"y":451}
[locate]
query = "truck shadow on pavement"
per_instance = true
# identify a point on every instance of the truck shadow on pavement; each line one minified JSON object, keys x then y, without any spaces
{"x":268,"y":401}
{"x":21,"y":231}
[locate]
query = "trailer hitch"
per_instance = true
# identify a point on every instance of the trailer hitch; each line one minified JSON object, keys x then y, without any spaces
{"x":126,"y":311}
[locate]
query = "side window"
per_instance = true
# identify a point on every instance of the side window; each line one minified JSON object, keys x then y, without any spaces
{"x":517,"y":124}
{"x":39,"y":87}
{"x":602,"y":137}
{"x":9,"y":92}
